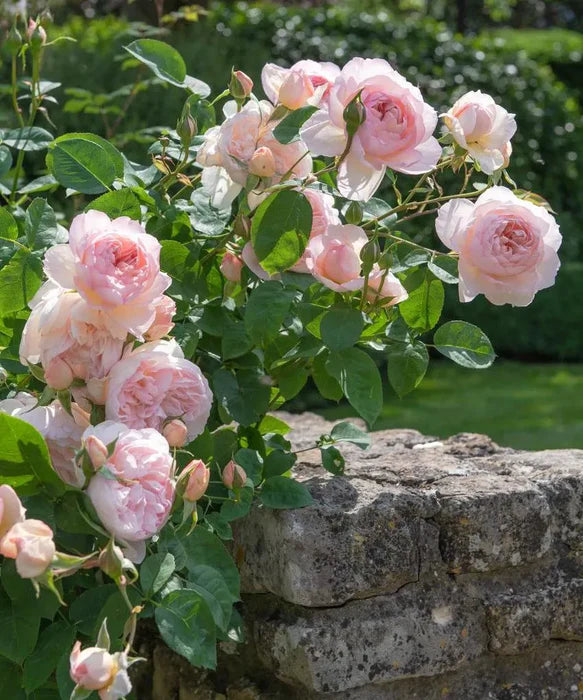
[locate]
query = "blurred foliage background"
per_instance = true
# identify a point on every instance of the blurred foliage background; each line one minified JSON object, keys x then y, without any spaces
{"x":528,"y":54}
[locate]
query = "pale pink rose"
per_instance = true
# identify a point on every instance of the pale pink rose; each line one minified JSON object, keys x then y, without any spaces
{"x":507,"y":246}
{"x":154,"y":383}
{"x":61,"y":431}
{"x":30,"y":543}
{"x":228,"y":149}
{"x":262,"y":162}
{"x":11,"y":509}
{"x":324,"y":214}
{"x":198,"y":480}
{"x":135,"y":504}
{"x":231,"y":266}
{"x":483,"y":128}
{"x":96,"y":451}
{"x":115,"y":266}
{"x":175,"y":432}
{"x":397,"y":131}
{"x":333,"y":258}
{"x":68,"y":338}
{"x":94,"y":668}
{"x":384,"y":288}
{"x":305,"y":83}
{"x":165,"y":308}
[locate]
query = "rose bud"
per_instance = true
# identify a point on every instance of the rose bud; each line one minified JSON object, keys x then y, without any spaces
{"x":234,"y":476}
{"x":58,"y":375}
{"x":231,"y":266}
{"x":111,"y":560}
{"x":240,"y":85}
{"x":262,"y":162}
{"x":198,"y":480}
{"x":175,"y":432}
{"x":35,"y":33}
{"x":31,"y":544}
{"x":96,"y":450}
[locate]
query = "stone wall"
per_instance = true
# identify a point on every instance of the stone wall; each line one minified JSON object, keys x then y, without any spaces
{"x":431,"y":570}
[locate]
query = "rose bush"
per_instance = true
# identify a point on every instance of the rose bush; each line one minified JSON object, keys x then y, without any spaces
{"x":151,"y":328}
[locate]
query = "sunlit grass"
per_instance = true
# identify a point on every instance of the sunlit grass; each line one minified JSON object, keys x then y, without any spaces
{"x":529,"y":406}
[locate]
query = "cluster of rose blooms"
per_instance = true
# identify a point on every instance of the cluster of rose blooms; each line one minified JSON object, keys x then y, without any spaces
{"x":99,"y":324}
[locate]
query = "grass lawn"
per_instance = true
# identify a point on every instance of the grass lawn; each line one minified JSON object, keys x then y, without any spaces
{"x":528,"y":406}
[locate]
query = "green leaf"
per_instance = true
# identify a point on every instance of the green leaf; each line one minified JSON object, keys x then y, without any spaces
{"x":290,"y":380}
{"x":220,"y":525}
{"x":341,"y":327}
{"x":187,"y":626}
{"x":232,"y":510}
{"x":19,"y":281}
{"x":445,"y":268}
{"x":348,"y":432}
{"x":24,"y":452}
{"x":332,"y":459}
{"x":245,"y":397}
{"x":252,"y":463}
{"x":8,"y":225}
{"x":407,"y":366}
{"x":63,"y":676}
{"x":205,"y":218}
{"x":19,"y":625}
{"x":210,"y":585}
{"x":21,"y":591}
{"x":280,"y":230}
{"x":40,"y":225}
{"x":360,"y":380}
{"x":11,"y":680}
{"x":426,"y":296}
{"x":282,"y":493}
{"x":235,"y":341}
{"x":325,"y":382}
{"x":277,"y":463}
{"x":266,"y":310}
{"x":85,"y":162}
{"x":155,"y":572}
{"x":161,"y":58}
{"x":118,"y":203}
{"x":29,"y":138}
{"x":5,"y":161}
{"x":288,"y":129}
{"x":84,"y":610}
{"x":39,"y":666}
{"x":465,"y":344}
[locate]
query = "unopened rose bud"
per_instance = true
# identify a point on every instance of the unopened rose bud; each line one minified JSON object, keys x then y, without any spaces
{"x":234,"y":476}
{"x":354,"y":213}
{"x":175,"y":433}
{"x":354,"y":115}
{"x":198,"y":480}
{"x":262,"y":162}
{"x":58,"y":375}
{"x":370,"y":253}
{"x":295,"y":90}
{"x":187,"y":129}
{"x":231,"y":266}
{"x":96,"y":450}
{"x":111,"y":561}
{"x":242,"y":226}
{"x":35,"y":34}
{"x":13,"y":41}
{"x":241,"y":85}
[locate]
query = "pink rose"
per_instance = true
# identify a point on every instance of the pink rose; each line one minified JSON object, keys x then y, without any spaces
{"x":95,"y":668}
{"x":30,"y":542}
{"x":175,"y":432}
{"x":68,"y":338}
{"x":165,"y":308}
{"x":234,"y":476}
{"x":262,"y":162}
{"x":241,"y":84}
{"x":231,"y":266}
{"x":198,"y":480}
{"x":333,"y":258}
{"x":306,"y":82}
{"x":154,"y":383}
{"x":115,"y":266}
{"x":397,"y":131}
{"x":228,"y":150}
{"x":11,"y":509}
{"x":133,"y":505}
{"x":507,"y":246}
{"x":483,"y":128}
{"x":384,"y":289}
{"x":61,"y":431}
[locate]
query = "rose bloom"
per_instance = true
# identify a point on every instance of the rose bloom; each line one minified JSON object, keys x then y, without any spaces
{"x":115,"y":266}
{"x":135,"y":505}
{"x":65,"y":333}
{"x":96,"y":669}
{"x":154,"y":383}
{"x":11,"y":509}
{"x":483,"y":128}
{"x":333,"y":258}
{"x":30,"y":543}
{"x":305,"y":83}
{"x":165,"y":308}
{"x":324,"y":214}
{"x":61,"y":431}
{"x":397,"y":131}
{"x":507,"y":246}
{"x":229,"y":149}
{"x":384,"y":288}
